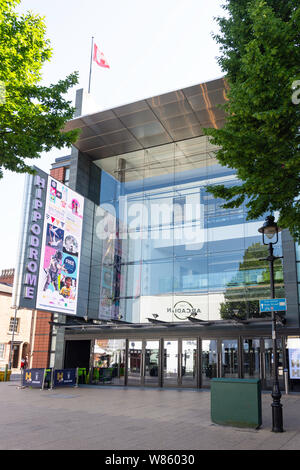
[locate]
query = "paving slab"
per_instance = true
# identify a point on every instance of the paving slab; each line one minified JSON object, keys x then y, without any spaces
{"x":119,"y":418}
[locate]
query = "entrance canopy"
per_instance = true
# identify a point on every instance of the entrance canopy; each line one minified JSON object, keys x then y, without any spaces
{"x":163,"y":119}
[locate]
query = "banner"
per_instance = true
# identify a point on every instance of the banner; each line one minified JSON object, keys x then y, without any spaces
{"x":60,"y":253}
{"x":33,"y":378}
{"x":64,"y":377}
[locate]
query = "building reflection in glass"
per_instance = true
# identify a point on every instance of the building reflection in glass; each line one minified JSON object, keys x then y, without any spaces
{"x":163,"y":245}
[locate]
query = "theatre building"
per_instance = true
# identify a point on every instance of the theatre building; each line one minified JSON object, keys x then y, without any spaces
{"x":168,"y":282}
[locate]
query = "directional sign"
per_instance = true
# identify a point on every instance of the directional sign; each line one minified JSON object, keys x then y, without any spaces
{"x":272,"y":305}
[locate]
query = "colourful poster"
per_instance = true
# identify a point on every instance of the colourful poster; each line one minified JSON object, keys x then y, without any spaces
{"x":59,"y":267}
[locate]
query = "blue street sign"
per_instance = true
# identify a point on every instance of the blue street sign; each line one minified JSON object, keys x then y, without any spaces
{"x":272,"y":305}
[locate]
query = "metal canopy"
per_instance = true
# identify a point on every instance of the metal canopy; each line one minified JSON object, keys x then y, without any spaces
{"x":84,"y":326}
{"x":163,"y":119}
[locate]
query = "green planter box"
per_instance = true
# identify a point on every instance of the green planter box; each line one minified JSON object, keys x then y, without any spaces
{"x":236,"y":402}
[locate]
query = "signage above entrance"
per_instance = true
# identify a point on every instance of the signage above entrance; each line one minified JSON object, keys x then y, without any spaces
{"x":182,"y":310}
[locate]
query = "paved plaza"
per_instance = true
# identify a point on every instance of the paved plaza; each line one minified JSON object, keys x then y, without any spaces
{"x":117,"y":418}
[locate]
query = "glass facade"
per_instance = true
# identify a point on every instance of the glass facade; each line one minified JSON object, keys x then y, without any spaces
{"x":298,"y":268}
{"x":165,"y":247}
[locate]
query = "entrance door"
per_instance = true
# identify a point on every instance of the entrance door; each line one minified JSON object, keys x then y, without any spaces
{"x":109,"y":361}
{"x":77,"y":354}
{"x":189,"y":363}
{"x":252,"y":358}
{"x":151,"y":369}
{"x":229,"y":359}
{"x":16,"y":353}
{"x":170,"y":363}
{"x":135,"y":362}
{"x":209,"y":361}
{"x":268,"y":363}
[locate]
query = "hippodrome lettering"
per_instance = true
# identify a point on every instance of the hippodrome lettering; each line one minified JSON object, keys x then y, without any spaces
{"x":34,"y":240}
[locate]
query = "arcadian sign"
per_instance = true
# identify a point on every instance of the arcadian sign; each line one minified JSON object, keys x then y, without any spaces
{"x":182,"y":310}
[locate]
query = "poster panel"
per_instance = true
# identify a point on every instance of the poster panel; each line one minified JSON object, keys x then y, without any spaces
{"x":60,"y":254}
{"x":294,"y":357}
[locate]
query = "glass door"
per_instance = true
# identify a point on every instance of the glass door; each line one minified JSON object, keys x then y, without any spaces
{"x":151,"y":369}
{"x":229,"y":359}
{"x":268,"y":363}
{"x":209,"y":361}
{"x":170,"y":363}
{"x":135,"y":362}
{"x":252,"y":358}
{"x":109,"y":361}
{"x":189,"y":363}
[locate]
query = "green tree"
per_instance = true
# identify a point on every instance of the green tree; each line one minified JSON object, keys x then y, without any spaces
{"x":260,"y":56}
{"x":31,"y":116}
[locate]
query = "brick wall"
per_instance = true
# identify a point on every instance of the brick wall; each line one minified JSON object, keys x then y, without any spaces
{"x":58,"y":173}
{"x":42,"y":340}
{"x":7,"y":276}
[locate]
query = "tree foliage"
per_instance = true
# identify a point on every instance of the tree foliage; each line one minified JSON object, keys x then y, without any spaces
{"x":31,"y":116}
{"x":260,"y":56}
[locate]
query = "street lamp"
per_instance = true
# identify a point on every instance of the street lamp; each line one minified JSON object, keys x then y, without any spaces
{"x":270,"y":232}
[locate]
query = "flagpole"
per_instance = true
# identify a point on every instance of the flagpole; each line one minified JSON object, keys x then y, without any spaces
{"x":91,"y":64}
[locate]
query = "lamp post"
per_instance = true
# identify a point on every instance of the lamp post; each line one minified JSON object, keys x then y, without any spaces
{"x":270,"y":230}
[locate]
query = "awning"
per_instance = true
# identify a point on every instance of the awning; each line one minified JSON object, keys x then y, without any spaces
{"x":171,"y":117}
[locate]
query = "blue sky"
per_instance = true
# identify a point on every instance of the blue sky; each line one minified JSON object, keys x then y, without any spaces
{"x":152,"y":47}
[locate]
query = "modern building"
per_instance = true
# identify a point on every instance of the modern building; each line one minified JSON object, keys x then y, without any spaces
{"x":169,"y":282}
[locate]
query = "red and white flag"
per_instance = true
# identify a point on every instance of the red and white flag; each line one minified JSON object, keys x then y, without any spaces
{"x":99,"y":57}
